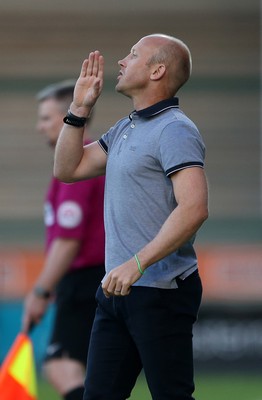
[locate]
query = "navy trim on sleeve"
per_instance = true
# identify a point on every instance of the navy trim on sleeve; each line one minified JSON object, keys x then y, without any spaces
{"x":103,"y":145}
{"x":183,"y":166}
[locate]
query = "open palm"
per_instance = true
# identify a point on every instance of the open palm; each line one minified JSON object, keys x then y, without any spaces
{"x":90,"y":82}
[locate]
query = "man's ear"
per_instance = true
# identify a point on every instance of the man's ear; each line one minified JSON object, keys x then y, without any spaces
{"x":158,"y":71}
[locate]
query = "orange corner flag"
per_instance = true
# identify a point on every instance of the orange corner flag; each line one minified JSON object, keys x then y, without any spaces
{"x":17,"y":374}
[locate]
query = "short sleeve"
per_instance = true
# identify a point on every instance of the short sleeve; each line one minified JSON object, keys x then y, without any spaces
{"x":181,"y":146}
{"x":74,"y":209}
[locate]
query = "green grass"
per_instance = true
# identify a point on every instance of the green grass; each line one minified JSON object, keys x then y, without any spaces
{"x":228,"y":387}
{"x":208,"y":386}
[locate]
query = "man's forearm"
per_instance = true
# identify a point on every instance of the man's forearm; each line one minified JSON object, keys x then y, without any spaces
{"x":68,"y":152}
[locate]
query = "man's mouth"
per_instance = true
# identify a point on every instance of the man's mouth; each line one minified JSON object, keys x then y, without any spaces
{"x":120,"y":74}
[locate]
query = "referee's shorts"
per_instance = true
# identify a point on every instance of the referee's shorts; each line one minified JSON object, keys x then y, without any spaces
{"x":75,"y":307}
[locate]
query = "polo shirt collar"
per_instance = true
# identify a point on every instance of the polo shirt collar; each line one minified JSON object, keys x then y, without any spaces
{"x":156,"y":108}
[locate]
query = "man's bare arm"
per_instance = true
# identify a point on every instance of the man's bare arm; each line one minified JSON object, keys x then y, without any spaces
{"x":56,"y":265}
{"x":74,"y":162}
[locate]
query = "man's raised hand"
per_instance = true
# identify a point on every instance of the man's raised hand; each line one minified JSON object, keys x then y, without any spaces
{"x":89,"y":84}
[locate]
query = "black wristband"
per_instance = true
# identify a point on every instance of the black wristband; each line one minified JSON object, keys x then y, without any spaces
{"x":73,"y":120}
{"x":42,"y":293}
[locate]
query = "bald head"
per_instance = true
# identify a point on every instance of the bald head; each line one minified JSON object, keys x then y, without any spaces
{"x":174,"y":54}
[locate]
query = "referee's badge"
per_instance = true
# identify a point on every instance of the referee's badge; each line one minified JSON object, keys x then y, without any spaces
{"x":69,"y":214}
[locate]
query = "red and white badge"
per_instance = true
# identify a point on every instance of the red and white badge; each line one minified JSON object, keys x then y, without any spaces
{"x":69,"y":214}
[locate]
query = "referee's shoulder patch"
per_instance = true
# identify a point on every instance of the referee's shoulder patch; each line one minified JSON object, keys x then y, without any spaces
{"x":69,"y":214}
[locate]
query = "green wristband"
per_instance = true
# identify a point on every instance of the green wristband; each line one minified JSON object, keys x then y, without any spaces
{"x":139,"y":265}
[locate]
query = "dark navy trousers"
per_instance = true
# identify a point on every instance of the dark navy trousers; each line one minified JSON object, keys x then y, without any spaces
{"x":151,"y":329}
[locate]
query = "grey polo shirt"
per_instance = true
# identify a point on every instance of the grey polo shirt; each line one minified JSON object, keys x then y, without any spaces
{"x":143,"y":150}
